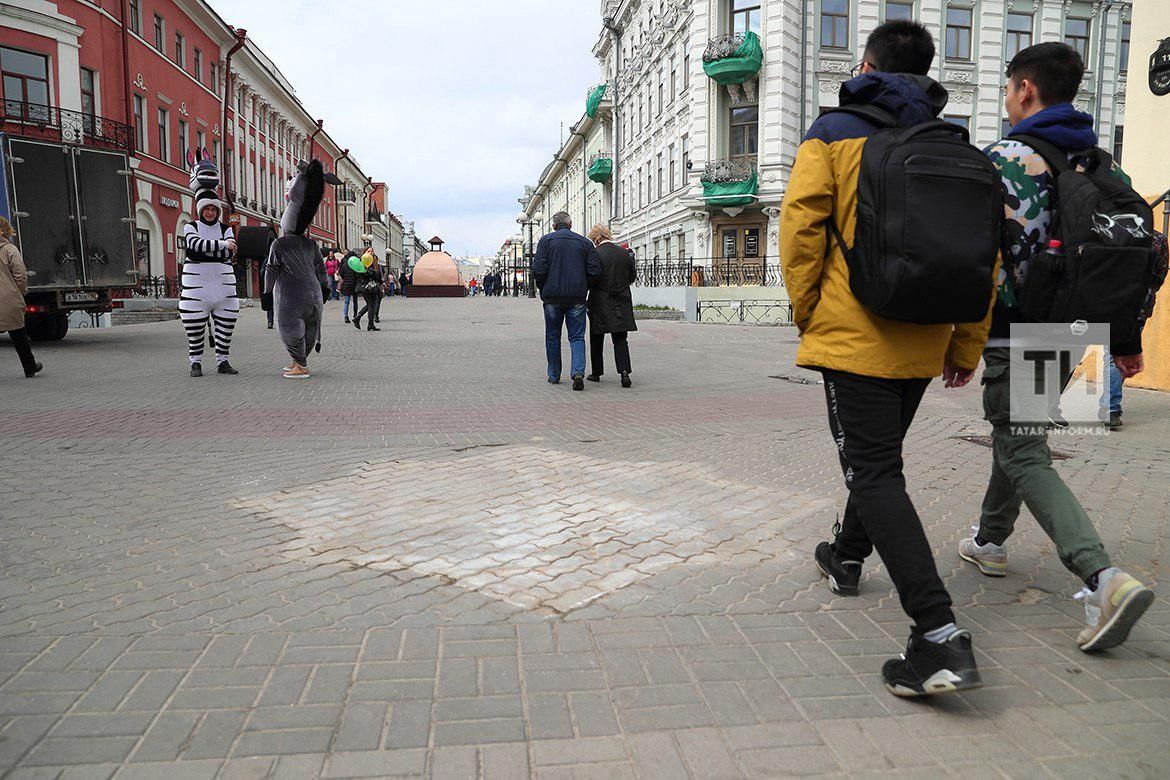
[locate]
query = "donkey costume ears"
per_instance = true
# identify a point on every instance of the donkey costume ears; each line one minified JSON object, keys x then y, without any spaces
{"x":197,"y":155}
{"x":330,"y":176}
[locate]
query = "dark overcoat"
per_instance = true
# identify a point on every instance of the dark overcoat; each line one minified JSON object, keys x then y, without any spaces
{"x":611,"y":305}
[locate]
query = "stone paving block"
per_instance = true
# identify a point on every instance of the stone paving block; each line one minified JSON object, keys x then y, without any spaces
{"x":563,"y":681}
{"x":706,"y":755}
{"x":593,"y":713}
{"x":410,"y":724}
{"x":478,"y":732}
{"x":285,"y":685}
{"x":108,"y":692}
{"x":361,"y":726}
{"x":504,"y":761}
{"x":214,"y":698}
{"x":80,"y":750}
{"x":247,"y":768}
{"x":499,"y":676}
{"x":548,"y":716}
{"x":167,"y":736}
{"x":271,"y":743}
{"x":21,"y":733}
{"x":264,"y":718}
{"x":153,"y":691}
{"x":184,"y":770}
{"x":375,"y":763}
{"x":329,"y":684}
{"x":796,"y":761}
{"x":120,"y":724}
{"x":561,"y":752}
{"x":454,"y":763}
{"x":215,"y":735}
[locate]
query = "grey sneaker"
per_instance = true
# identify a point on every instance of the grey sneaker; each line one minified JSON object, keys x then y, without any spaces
{"x":990,"y":558}
{"x":1112,"y":609}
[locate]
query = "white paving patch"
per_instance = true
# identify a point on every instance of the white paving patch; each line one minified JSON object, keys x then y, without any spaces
{"x":537,"y":528}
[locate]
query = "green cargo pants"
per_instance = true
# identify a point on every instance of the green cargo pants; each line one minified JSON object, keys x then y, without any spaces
{"x":1022,"y":472}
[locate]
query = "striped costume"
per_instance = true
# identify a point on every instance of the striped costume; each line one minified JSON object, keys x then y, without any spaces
{"x":209,"y":295}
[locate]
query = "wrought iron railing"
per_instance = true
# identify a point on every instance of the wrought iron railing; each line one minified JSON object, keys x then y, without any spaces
{"x":604,"y":154}
{"x":708,"y":272}
{"x":754,"y":312}
{"x":71,"y":127}
{"x":726,"y":171}
{"x":722,"y":47}
{"x":151,"y":287}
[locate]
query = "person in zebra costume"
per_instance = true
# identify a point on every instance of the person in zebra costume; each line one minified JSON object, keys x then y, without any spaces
{"x":208,"y":298}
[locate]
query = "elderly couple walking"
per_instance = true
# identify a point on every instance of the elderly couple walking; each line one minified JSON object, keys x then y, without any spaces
{"x":578,"y":275}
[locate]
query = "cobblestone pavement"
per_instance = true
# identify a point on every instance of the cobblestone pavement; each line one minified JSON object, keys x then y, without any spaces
{"x":427,"y":561}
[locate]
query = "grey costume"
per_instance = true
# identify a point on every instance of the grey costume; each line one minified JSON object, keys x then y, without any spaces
{"x":295,"y":272}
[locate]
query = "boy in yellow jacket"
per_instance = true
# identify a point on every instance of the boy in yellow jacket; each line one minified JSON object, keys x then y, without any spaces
{"x":876,"y":370}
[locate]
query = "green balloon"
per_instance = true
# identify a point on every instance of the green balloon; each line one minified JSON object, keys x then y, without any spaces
{"x":355,"y":263}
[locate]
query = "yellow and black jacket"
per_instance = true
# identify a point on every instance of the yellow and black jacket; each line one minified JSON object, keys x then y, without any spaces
{"x":836,"y":331}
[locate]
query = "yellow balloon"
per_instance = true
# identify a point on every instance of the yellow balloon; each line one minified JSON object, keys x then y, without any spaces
{"x":367,"y":260}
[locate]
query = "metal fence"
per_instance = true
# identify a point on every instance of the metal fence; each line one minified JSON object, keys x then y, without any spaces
{"x":150,"y":287}
{"x":50,"y":123}
{"x":752,"y":312}
{"x":708,"y":272}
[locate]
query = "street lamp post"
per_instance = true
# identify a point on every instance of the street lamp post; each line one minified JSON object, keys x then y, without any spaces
{"x":531,"y":253}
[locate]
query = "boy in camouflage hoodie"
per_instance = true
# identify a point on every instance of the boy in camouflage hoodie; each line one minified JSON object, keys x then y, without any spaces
{"x":1042,"y":81}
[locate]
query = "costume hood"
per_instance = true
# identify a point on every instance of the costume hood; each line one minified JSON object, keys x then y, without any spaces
{"x":304,"y":194}
{"x":204,"y":181}
{"x":911,"y":98}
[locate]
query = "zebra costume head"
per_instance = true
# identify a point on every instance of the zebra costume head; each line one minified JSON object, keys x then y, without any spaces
{"x":304,"y":194}
{"x":204,"y":181}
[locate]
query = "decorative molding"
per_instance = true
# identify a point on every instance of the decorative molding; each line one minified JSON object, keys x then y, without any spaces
{"x":830,"y":87}
{"x":835,"y":66}
{"x":960,"y":77}
{"x":139,"y":82}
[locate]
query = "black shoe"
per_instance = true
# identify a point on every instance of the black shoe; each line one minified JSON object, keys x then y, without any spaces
{"x":552,"y":381}
{"x":371,"y":327}
{"x":226,"y":368}
{"x":347,"y":319}
{"x":357,"y":324}
{"x":196,"y":369}
{"x":593,"y":378}
{"x":844,"y":576}
{"x":927,"y":668}
{"x":1056,"y":418}
{"x":578,"y":382}
{"x":1114,"y":421}
{"x":377,"y":319}
{"x":270,"y":326}
{"x":37,"y":368}
{"x":626,"y":381}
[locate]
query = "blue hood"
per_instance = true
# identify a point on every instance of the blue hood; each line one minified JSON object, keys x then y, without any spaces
{"x":1062,"y":125}
{"x":912,"y":99}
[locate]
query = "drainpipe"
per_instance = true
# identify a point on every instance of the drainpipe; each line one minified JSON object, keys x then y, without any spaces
{"x":337,"y":205}
{"x":616,"y":32}
{"x":313,"y":137}
{"x":803,"y":69}
{"x":1101,"y":69}
{"x":129,"y":95}
{"x":241,"y":36}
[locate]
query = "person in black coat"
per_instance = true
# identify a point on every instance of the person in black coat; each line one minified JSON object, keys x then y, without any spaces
{"x":346,"y":288}
{"x":369,"y":286}
{"x":611,"y":306}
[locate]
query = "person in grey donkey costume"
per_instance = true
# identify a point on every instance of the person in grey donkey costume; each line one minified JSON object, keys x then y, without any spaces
{"x":295,"y":271}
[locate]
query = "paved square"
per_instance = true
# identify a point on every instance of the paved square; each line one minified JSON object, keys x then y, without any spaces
{"x":426,"y":561}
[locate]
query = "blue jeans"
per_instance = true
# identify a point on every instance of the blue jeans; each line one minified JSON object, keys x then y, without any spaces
{"x":573,"y":315}
{"x":346,"y":300}
{"x":332,"y":289}
{"x":1116,"y":383}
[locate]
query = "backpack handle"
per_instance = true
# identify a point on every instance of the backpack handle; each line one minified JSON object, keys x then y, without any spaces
{"x":934,"y":125}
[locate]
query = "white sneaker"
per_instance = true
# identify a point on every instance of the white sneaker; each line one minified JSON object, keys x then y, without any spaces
{"x":1112,"y":609}
{"x":990,"y":558}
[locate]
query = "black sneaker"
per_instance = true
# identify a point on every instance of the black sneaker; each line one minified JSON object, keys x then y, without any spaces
{"x":347,"y":320}
{"x":626,"y":381}
{"x":1114,"y":421}
{"x":928,"y":668}
{"x":578,"y":382}
{"x":226,"y":368}
{"x":844,"y":576}
{"x":593,"y":378}
{"x":196,"y":369}
{"x":36,"y":369}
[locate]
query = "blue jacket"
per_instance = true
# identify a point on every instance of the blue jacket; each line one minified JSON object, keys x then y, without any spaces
{"x":565,"y":265}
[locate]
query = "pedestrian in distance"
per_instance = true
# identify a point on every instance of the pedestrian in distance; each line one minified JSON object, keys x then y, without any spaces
{"x":564,"y":267}
{"x":403,"y":283}
{"x":349,"y":279}
{"x":391,"y":284}
{"x":472,"y":286}
{"x":295,"y":272}
{"x":611,"y":306}
{"x":331,"y":265}
{"x":1050,"y":139}
{"x":13,"y":286}
{"x":370,"y":259}
{"x":877,"y":356}
{"x":369,"y":286}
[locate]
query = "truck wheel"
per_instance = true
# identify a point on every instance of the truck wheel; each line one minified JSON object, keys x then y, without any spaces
{"x":62,"y":326}
{"x":52,"y":327}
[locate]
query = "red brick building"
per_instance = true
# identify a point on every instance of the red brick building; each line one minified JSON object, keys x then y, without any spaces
{"x":159,"y":67}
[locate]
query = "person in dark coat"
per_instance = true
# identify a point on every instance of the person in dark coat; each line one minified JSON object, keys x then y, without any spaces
{"x":349,"y":279}
{"x":565,"y":266}
{"x":611,"y":306}
{"x":369,"y":286}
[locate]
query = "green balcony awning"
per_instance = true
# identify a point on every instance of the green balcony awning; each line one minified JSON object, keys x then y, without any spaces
{"x":731,"y":193}
{"x":743,"y":63}
{"x":601,"y":170}
{"x":594,"y":100}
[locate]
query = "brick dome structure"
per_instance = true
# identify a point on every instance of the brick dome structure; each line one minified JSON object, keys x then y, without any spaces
{"x":436,"y":275}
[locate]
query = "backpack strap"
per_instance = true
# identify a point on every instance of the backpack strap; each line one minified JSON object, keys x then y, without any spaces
{"x":875,"y":114}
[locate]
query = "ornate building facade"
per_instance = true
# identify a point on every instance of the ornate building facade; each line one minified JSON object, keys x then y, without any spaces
{"x":710,"y":98}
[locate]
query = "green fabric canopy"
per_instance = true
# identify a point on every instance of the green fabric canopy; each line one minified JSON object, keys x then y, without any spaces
{"x":731,"y":193}
{"x":594,"y":100}
{"x":744,"y":63}
{"x":601,"y":170}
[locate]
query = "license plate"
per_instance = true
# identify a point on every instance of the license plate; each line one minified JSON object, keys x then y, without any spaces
{"x":80,"y":297}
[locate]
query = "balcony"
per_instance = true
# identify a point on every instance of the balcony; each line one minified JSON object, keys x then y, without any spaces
{"x":731,"y":60}
{"x":600,"y":168}
{"x":346,"y":194}
{"x":34,"y":120}
{"x":593,"y":101}
{"x":729,"y":184}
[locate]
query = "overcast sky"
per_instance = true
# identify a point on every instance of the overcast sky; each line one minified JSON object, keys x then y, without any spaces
{"x":456,"y":105}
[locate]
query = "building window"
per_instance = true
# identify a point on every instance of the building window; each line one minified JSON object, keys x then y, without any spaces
{"x":673,"y":79}
{"x":140,"y":123}
{"x":745,"y":16}
{"x":26,"y":84}
{"x":959,"y":33}
{"x":1123,"y":52}
{"x":641,"y":196}
{"x":686,"y":156}
{"x":88,"y":99}
{"x":197,"y":66}
{"x":183,"y":139}
{"x":835,"y":24}
{"x":957,"y":119}
{"x":215,"y":77}
{"x":661,"y":92}
{"x":164,"y":132}
{"x":200,"y":139}
{"x":745,"y":134}
{"x":686,"y":71}
{"x":661,"y":176}
{"x":180,"y":51}
{"x":135,"y":18}
{"x":649,"y":186}
{"x":1118,"y":142}
{"x":673,"y":170}
{"x":1019,"y":33}
{"x":899,"y":10}
{"x":1076,"y":35}
{"x":159,"y":33}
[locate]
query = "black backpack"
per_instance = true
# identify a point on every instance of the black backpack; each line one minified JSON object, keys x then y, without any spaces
{"x":1106,"y":267}
{"x":929,"y":219}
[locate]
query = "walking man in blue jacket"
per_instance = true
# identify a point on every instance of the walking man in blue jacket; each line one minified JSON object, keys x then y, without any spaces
{"x":566,"y":264}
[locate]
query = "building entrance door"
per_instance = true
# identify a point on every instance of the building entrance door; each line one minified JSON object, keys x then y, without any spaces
{"x":740,"y":253}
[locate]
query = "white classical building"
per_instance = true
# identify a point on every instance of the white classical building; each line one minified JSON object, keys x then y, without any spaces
{"x":700,"y":163}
